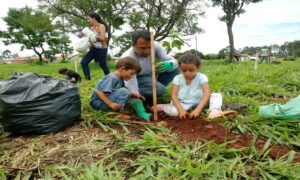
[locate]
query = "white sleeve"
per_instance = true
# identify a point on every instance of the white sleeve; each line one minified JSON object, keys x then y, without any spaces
{"x":203,"y":79}
{"x":176,"y":80}
{"x":132,"y":85}
{"x":162,"y":55}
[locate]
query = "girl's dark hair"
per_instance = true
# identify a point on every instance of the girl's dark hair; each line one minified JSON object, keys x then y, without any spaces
{"x":128,"y":63}
{"x":99,"y":20}
{"x":190,"y":59}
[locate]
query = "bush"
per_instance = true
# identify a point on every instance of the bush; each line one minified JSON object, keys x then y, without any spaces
{"x":211,"y":56}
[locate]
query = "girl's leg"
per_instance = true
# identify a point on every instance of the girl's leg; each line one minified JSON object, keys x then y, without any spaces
{"x":171,"y":109}
{"x":85,"y":63}
{"x":101,"y":58}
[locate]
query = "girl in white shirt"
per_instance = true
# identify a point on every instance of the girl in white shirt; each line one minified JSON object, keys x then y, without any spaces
{"x":190,"y":89}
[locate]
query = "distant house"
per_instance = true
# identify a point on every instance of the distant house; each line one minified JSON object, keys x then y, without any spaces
{"x":18,"y":60}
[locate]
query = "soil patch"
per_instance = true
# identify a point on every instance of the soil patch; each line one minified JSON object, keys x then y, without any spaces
{"x":199,"y":129}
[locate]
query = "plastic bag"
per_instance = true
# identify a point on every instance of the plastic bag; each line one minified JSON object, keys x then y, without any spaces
{"x":289,"y":111}
{"x":82,"y":44}
{"x":38,"y":104}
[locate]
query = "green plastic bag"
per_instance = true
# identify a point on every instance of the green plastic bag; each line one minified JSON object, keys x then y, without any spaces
{"x":289,"y":111}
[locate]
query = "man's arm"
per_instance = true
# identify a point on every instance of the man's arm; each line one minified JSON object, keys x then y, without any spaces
{"x":163,"y":56}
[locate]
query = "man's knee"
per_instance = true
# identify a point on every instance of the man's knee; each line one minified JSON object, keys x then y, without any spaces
{"x":160,"y":89}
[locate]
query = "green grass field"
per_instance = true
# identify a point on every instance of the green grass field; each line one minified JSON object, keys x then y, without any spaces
{"x":114,"y":150}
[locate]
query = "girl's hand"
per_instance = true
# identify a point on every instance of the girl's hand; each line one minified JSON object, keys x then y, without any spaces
{"x":182,"y":114}
{"x":138,"y":96}
{"x":194,"y":114}
{"x":114,"y":106}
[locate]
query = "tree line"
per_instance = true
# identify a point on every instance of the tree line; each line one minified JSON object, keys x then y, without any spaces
{"x":44,"y":30}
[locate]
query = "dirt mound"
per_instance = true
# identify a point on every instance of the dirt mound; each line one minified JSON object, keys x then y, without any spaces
{"x":202,"y":130}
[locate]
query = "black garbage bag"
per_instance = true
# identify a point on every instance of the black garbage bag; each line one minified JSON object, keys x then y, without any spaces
{"x":38,"y":104}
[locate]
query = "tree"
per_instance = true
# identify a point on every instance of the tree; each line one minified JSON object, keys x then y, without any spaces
{"x":293,"y":48}
{"x":32,"y":29}
{"x":232,"y":8}
{"x":163,"y":17}
{"x":112,"y":12}
{"x":60,"y":45}
{"x":223,"y":53}
{"x":6,"y":53}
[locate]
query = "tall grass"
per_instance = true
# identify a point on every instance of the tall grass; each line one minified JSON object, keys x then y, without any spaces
{"x":156,"y":154}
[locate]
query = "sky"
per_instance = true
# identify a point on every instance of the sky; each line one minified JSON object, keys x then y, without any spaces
{"x":265,"y":23}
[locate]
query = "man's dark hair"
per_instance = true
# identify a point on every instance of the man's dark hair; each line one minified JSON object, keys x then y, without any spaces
{"x":63,"y":70}
{"x":128,"y":63}
{"x":190,"y":59}
{"x":145,"y":34}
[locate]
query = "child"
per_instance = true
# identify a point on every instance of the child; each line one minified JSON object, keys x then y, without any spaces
{"x":111,"y":93}
{"x":190,"y":89}
{"x":71,"y":76}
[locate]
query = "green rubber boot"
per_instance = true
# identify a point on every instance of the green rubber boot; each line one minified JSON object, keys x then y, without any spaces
{"x":140,"y":110}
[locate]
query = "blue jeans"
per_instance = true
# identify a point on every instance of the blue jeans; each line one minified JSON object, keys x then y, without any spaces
{"x":163,"y":79}
{"x":263,"y":58}
{"x":99,"y":54}
{"x":119,"y":96}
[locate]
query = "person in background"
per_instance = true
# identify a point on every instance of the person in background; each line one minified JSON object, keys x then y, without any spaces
{"x":98,"y":49}
{"x":71,"y":76}
{"x":264,"y":55}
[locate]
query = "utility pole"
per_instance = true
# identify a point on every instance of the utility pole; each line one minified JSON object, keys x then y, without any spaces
{"x":196,"y":42}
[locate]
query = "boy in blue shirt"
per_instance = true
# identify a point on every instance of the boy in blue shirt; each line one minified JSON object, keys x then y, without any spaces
{"x":110,"y":92}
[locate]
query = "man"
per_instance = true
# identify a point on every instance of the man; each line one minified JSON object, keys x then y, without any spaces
{"x":264,"y":55}
{"x":167,"y":67}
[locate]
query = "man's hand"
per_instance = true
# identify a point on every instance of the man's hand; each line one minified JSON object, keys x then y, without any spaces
{"x":164,"y":66}
{"x":114,"y":106}
{"x":138,"y":96}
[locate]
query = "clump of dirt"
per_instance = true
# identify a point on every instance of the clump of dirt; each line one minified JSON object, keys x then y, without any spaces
{"x":199,"y":129}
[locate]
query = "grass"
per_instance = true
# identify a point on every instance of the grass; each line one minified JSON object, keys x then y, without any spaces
{"x":108,"y":149}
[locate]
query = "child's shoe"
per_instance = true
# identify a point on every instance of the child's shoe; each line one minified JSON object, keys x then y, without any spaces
{"x":140,"y":110}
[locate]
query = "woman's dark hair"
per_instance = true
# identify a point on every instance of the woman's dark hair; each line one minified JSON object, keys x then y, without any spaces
{"x":99,"y":20}
{"x":145,"y":34}
{"x":190,"y":59}
{"x":128,"y":63}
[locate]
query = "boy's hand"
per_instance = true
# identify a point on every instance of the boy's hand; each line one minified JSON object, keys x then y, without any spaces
{"x":194,"y":114}
{"x":182,"y":114}
{"x":114,"y":106}
{"x":138,"y":96}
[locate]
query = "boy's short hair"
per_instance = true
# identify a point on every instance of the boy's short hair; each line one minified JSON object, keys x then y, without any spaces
{"x":128,"y":63}
{"x":190,"y":59}
{"x":145,"y":34}
{"x":63,"y":70}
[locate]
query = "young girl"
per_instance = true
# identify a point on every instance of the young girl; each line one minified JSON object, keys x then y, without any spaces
{"x":190,"y":89}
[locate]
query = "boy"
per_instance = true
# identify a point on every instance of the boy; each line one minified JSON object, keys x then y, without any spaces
{"x":111,"y":93}
{"x":71,"y":76}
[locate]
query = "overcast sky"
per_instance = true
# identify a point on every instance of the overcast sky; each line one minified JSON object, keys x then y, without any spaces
{"x":265,"y":23}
